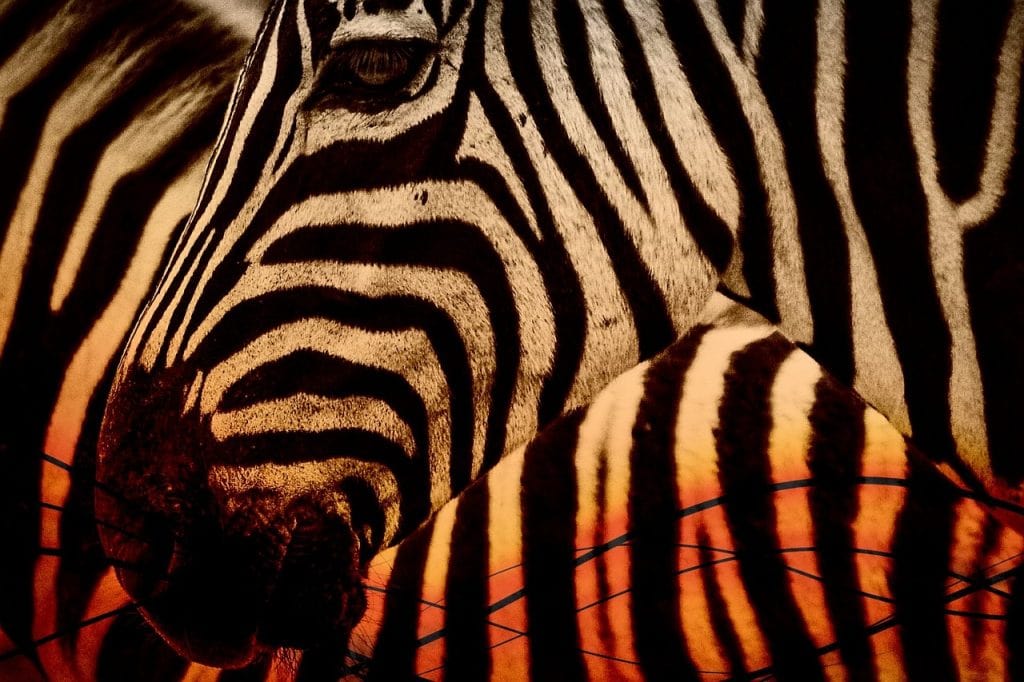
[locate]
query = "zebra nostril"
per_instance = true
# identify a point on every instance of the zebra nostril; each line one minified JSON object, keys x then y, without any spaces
{"x":317,"y":595}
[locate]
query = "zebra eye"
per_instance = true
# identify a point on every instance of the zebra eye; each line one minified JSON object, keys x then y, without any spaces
{"x":375,"y":71}
{"x":377,"y":64}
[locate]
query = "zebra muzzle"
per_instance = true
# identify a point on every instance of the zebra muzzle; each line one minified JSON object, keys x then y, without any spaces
{"x":224,"y":596}
{"x":225,"y":581}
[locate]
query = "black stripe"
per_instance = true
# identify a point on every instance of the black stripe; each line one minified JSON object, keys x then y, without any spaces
{"x":733,"y":13}
{"x":468,"y":644}
{"x":395,"y":652}
{"x":922,"y":542}
{"x":19,"y":20}
{"x":505,"y":322}
{"x":27,"y":111}
{"x":560,"y":281}
{"x":83,"y":562}
{"x":994,"y":278}
{"x":991,"y":534}
{"x":711,"y":234}
{"x":966,"y":62}
{"x":548,"y":502}
{"x":787,"y":63}
{"x":890,"y":201}
{"x":573,"y":38}
{"x":259,"y":142}
{"x":641,"y":292}
{"x":718,"y":611}
{"x":715,"y":92}
{"x":131,"y":201}
{"x":604,"y":590}
{"x":240,"y":101}
{"x":653,"y":522}
{"x":835,"y":459}
{"x":744,"y":472}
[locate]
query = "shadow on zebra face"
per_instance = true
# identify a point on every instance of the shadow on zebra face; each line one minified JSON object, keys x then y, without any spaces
{"x":273,"y":423}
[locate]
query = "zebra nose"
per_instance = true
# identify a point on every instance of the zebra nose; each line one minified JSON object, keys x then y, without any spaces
{"x":317,"y":596}
{"x":139,"y":544}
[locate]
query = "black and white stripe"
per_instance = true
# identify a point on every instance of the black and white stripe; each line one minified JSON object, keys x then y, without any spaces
{"x":772,"y":524}
{"x":389,"y":286}
{"x":108,"y":112}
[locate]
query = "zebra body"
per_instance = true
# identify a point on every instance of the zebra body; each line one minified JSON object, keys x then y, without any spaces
{"x":726,"y":510}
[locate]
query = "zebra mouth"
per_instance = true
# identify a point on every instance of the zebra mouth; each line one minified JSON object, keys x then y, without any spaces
{"x":371,"y":75}
{"x":222,"y":580}
{"x":226,"y":599}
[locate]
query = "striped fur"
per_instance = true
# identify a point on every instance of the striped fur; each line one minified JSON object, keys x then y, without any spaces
{"x":726,"y":510}
{"x":385,"y":287}
{"x":108,"y":111}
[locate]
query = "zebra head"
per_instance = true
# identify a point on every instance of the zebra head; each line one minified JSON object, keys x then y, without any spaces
{"x":385,"y":284}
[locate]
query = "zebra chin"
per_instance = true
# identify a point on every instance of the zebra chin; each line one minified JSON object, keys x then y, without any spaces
{"x":224,"y":569}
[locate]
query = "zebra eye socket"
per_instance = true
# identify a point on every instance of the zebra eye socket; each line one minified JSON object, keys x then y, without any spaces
{"x":378,"y":64}
{"x":374,"y":72}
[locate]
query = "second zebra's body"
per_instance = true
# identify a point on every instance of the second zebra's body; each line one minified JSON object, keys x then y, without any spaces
{"x":429,"y":228}
{"x":726,"y":510}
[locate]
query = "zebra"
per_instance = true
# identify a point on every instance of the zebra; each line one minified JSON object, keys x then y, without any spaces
{"x":725,"y":510}
{"x":108,"y":112}
{"x":430,"y":228}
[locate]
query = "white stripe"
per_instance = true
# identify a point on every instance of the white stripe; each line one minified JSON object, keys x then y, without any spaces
{"x":702,"y":157}
{"x":151,"y":351}
{"x":753,"y":27}
{"x":241,"y":16}
{"x":609,"y":349}
{"x":481,"y":143}
{"x":93,"y":356}
{"x":309,"y":413}
{"x":878,"y":373}
{"x":408,"y":354}
{"x":791,"y":295}
{"x":948,"y":222}
{"x":449,"y":290}
{"x":97,"y":82}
